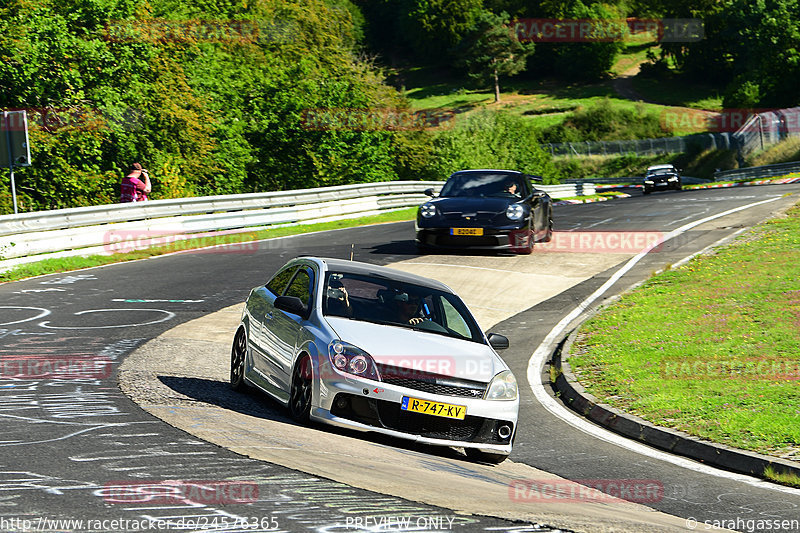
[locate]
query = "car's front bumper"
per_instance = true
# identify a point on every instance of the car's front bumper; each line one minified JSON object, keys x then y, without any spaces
{"x":492,"y":239}
{"x":367,"y":405}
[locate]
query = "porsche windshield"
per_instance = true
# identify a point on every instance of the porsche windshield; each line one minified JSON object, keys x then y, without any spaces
{"x":383,"y":301}
{"x":479,"y":185}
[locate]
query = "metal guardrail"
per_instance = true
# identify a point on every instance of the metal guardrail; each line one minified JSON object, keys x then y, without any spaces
{"x":767,"y":128}
{"x":599,"y":182}
{"x":660,"y":145}
{"x":766,"y":171}
{"x":111,"y":228}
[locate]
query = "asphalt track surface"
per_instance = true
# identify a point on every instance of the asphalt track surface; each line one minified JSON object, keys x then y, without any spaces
{"x":80,"y":449}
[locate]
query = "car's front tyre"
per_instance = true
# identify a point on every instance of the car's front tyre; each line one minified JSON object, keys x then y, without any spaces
{"x":238,"y":355}
{"x":300,"y":394}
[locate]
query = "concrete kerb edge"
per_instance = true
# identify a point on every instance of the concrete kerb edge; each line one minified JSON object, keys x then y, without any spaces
{"x":573,"y":395}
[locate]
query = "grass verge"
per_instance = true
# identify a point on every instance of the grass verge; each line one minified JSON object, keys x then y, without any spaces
{"x":51,"y":266}
{"x":711,"y":348}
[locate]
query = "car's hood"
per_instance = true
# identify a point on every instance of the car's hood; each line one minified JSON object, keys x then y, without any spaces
{"x":487,"y":204}
{"x":419,"y":350}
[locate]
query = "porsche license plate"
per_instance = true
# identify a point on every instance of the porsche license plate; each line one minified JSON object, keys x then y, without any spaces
{"x":466,"y":231}
{"x":428,"y":407}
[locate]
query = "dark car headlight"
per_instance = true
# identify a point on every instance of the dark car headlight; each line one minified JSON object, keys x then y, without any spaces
{"x":352,"y":360}
{"x":427,"y":210}
{"x":515,"y":212}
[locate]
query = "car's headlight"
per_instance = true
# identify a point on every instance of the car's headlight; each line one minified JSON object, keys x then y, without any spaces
{"x":427,"y":210}
{"x":515,"y":212}
{"x":673,"y":178}
{"x":352,"y":360}
{"x":648,"y":181}
{"x":502,"y":387}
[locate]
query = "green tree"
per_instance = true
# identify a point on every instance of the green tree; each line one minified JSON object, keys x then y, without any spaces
{"x":492,"y":49}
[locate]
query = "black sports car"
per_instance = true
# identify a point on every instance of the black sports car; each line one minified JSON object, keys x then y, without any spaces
{"x":486,"y":209}
{"x":661,"y":177}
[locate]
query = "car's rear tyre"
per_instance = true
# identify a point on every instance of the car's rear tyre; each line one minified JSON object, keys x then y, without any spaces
{"x":475,"y":454}
{"x":238,"y":354}
{"x":300,"y":395}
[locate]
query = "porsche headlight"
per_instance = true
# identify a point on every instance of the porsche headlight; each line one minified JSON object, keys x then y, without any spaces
{"x":427,"y":210}
{"x":352,"y":360}
{"x":502,"y":387}
{"x":515,"y":212}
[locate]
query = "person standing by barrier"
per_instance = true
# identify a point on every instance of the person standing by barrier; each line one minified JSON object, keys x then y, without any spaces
{"x":136,"y":185}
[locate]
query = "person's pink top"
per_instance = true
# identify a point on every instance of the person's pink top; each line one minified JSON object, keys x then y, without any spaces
{"x":132,"y":189}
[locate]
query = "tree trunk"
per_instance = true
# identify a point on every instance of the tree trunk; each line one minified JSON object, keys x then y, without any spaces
{"x":496,"y":88}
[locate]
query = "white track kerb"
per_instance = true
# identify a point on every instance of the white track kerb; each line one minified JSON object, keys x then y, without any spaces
{"x":545,"y":349}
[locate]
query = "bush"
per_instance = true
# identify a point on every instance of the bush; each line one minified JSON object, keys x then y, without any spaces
{"x":491,"y":139}
{"x":604,"y":121}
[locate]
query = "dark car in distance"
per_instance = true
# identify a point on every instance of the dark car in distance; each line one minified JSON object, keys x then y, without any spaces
{"x":486,"y":210}
{"x":661,"y":177}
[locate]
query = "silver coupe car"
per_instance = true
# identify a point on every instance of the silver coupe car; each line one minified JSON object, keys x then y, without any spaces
{"x":375,"y":349}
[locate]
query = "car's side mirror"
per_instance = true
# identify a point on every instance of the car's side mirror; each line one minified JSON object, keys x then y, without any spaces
{"x":429,"y":192}
{"x":291,"y":304}
{"x":497,"y":341}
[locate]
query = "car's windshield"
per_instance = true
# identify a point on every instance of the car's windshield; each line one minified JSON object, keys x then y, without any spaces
{"x":660,"y":171}
{"x":383,"y":301}
{"x":475,"y":184}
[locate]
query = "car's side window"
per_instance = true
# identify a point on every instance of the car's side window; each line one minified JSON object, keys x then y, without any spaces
{"x":526,"y":188}
{"x":301,"y":286}
{"x":454,"y":321}
{"x":278,"y":283}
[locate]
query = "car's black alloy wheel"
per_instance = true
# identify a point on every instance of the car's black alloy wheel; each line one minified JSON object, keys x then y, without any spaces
{"x":238,"y":353}
{"x":300,"y":396}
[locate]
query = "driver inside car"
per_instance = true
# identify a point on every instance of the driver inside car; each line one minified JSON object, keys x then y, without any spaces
{"x":407,"y":308}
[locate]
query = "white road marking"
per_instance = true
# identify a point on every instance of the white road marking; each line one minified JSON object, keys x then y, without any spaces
{"x":537,"y":361}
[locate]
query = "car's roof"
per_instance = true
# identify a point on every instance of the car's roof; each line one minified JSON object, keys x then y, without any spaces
{"x":366,"y":269}
{"x":661,"y":167}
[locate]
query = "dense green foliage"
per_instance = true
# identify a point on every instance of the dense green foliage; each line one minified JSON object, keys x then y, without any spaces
{"x":491,"y":140}
{"x":749,"y":49}
{"x":212,"y":97}
{"x":219,"y":97}
{"x":605,"y":122}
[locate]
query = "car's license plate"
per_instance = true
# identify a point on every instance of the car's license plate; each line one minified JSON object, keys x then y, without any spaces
{"x":466,"y":231}
{"x":428,"y":407}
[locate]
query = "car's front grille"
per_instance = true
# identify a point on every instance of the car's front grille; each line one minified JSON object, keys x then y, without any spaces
{"x":389,"y":415}
{"x":431,"y":383}
{"x":435,"y":388}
